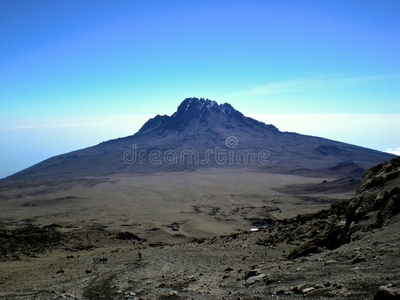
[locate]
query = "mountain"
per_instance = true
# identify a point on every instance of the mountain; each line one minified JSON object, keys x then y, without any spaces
{"x":348,"y":251}
{"x":205,"y":112}
{"x":203,"y":134}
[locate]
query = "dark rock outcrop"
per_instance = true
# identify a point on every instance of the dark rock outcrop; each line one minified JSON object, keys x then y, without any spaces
{"x":129,"y":236}
{"x":377,"y":199}
{"x":388,"y":292}
{"x":28,"y":241}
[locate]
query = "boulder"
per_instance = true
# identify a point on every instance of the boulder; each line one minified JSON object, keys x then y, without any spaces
{"x":252,"y":273}
{"x":254,"y":279}
{"x":387,"y":292}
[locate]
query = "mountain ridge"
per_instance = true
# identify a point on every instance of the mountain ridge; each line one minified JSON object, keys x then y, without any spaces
{"x":201,"y":109}
{"x":201,"y":134}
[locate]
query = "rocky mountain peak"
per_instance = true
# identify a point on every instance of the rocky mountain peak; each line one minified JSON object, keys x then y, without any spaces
{"x":202,"y":110}
{"x":197,"y":108}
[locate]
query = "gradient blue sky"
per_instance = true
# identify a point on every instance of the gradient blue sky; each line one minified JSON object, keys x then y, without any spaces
{"x":78,"y":63}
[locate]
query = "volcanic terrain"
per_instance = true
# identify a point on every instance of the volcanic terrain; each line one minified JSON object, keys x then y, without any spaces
{"x":220,"y":206}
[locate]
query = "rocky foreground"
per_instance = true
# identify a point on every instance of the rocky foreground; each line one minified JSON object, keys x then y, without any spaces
{"x":350,"y":251}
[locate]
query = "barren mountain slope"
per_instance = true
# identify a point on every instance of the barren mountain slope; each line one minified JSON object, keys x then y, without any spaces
{"x":348,"y":251}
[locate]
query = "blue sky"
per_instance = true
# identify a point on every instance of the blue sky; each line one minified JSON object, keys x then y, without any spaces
{"x":85,"y":61}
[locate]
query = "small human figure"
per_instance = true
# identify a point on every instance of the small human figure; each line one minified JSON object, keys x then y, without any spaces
{"x":140,"y":255}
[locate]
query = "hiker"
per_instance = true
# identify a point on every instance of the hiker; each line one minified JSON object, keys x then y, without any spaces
{"x":103,"y":260}
{"x":140,"y":255}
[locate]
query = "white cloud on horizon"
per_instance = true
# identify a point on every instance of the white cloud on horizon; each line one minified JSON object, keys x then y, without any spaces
{"x":311,"y":83}
{"x":377,"y":131}
{"x":28,"y":141}
{"x":393,"y":151}
{"x":71,"y":121}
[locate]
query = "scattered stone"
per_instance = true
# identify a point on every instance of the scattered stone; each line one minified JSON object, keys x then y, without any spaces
{"x":319,"y":286}
{"x":387,"y":292}
{"x":61,"y":271}
{"x":339,"y":292}
{"x":179,"y":236}
{"x":327,"y":284}
{"x":129,"y":236}
{"x":157,"y":244}
{"x":307,"y":290}
{"x":254,"y":279}
{"x":359,"y":258}
{"x":300,"y":288}
{"x":198,"y":241}
{"x":280,"y":292}
{"x":172,"y":294}
{"x":252,"y":273}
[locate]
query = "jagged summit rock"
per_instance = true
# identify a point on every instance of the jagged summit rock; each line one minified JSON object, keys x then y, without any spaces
{"x":205,"y":112}
{"x":201,"y":134}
